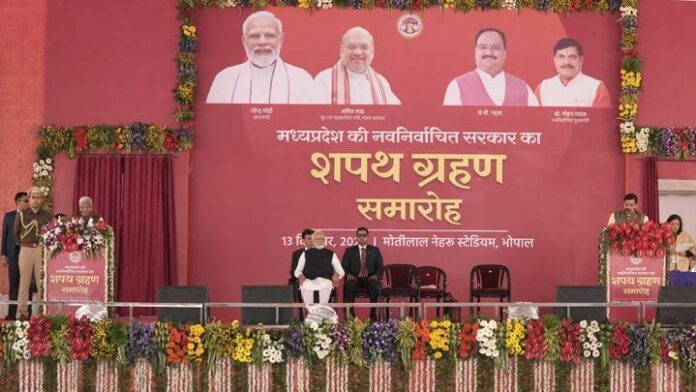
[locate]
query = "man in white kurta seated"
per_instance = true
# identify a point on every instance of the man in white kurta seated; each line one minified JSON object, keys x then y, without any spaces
{"x":264,"y":77}
{"x":571,"y":87}
{"x":318,"y":270}
{"x":488,"y":84}
{"x":352,"y":80}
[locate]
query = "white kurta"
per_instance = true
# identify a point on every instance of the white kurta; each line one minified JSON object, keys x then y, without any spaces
{"x":494,"y":85}
{"x":281,"y":83}
{"x":582,"y":90}
{"x":360,"y":89}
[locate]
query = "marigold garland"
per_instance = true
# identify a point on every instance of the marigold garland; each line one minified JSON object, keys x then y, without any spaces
{"x":194,"y":347}
{"x":467,"y":336}
{"x":176,"y":346}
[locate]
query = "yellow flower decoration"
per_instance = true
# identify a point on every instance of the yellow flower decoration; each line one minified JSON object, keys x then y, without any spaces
{"x":515,"y":334}
{"x":194,"y":348}
{"x":189,"y":30}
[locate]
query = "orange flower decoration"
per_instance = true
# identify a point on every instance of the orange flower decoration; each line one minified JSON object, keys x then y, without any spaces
{"x":176,"y":347}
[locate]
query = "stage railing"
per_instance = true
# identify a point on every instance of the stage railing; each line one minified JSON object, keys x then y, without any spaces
{"x":639,"y":307}
{"x":298,"y":305}
{"x":130,"y":305}
{"x":420,"y":310}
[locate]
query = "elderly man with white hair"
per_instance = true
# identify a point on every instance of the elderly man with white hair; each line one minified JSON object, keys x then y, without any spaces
{"x":264,"y":77}
{"x":352,"y":80}
{"x":318,"y":270}
{"x":87,"y":211}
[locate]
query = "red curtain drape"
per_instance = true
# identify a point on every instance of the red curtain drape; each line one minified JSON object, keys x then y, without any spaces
{"x":652,"y":201}
{"x":149,"y":232}
{"x":135,"y":195}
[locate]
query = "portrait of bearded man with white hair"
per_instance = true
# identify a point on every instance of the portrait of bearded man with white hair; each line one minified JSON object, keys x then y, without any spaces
{"x":264,"y":77}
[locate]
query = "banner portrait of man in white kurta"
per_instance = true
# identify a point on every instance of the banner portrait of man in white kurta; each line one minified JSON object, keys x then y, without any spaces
{"x":264,"y":77}
{"x":571,"y":87}
{"x":352,"y":80}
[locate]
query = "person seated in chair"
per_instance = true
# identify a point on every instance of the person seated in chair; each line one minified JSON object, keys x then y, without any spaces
{"x":363,"y":265}
{"x":318,"y":270}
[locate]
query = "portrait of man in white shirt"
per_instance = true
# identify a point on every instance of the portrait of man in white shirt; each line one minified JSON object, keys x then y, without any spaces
{"x":264,"y":77}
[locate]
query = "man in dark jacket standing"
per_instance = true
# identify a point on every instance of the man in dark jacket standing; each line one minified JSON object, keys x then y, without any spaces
{"x":10,"y":250}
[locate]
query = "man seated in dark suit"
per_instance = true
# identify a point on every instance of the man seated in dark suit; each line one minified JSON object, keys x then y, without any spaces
{"x":10,"y":250}
{"x":363,"y":265}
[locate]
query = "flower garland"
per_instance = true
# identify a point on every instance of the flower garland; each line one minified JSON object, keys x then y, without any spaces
{"x":273,"y":348}
{"x":176,"y":345}
{"x":340,"y":343}
{"x":194,"y":346}
{"x":379,"y":341}
{"x":649,"y":239}
{"x":620,"y":342}
{"x":467,"y":339}
{"x":141,"y":343}
{"x":79,"y":337}
{"x":591,"y":344}
{"x":421,"y":333}
{"x":71,"y":235}
{"x":630,"y":347}
{"x":440,"y":336}
{"x":570,"y":341}
{"x":486,"y":338}
{"x":535,"y":345}
{"x":514,"y":337}
{"x":317,"y":340}
{"x":20,"y":346}
{"x":39,"y":334}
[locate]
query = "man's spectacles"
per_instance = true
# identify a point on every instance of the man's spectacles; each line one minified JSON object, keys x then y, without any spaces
{"x":494,"y":48}
{"x":361,"y":235}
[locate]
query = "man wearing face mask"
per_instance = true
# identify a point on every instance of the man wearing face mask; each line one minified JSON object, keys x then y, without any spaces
{"x":488,"y":84}
{"x":264,"y":77}
{"x":571,"y":87}
{"x":318,"y":270}
{"x":352,"y":80}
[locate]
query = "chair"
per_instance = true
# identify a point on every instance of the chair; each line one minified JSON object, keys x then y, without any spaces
{"x":490,"y":281}
{"x":297,"y":297}
{"x":400,"y":280}
{"x":433,"y":284}
{"x":361,"y":292}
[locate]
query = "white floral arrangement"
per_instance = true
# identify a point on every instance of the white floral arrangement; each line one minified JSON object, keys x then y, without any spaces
{"x":43,"y":169}
{"x":627,"y":128}
{"x":325,"y":4}
{"x":589,"y":340}
{"x":510,"y":4}
{"x":642,"y":139}
{"x":272,"y":349}
{"x":628,"y":11}
{"x":321,"y":339}
{"x":20,"y":347}
{"x":486,"y":338}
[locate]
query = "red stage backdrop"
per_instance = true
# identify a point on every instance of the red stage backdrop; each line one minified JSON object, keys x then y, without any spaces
{"x":451,"y":186}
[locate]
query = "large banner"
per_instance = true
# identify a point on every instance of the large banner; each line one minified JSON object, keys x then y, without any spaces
{"x":456,"y":138}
